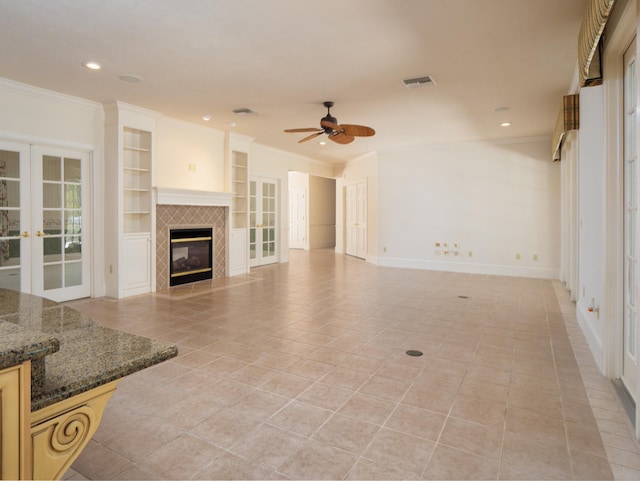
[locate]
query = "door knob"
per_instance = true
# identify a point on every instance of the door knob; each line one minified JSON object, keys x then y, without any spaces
{"x":25,"y":234}
{"x":40,"y":234}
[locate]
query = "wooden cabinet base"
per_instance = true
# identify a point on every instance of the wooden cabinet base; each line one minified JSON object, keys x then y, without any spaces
{"x":61,"y":431}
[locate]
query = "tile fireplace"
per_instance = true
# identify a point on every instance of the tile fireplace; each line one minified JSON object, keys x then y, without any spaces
{"x":184,"y":209}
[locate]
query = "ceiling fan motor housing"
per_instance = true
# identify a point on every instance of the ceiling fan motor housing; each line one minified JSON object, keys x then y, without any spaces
{"x":328,"y":118}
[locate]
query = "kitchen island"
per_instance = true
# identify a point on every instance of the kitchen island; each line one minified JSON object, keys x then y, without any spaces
{"x":58,"y":369}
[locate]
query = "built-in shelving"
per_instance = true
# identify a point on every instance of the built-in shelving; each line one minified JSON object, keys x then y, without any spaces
{"x":136,"y":180}
{"x":239,"y":183}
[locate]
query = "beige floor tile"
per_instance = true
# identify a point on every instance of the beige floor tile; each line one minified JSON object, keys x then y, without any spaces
{"x":325,"y":396}
{"x":345,"y":378}
{"x":346,"y":433}
{"x":534,"y":458}
{"x":169,"y":461}
{"x":225,"y":428}
{"x":417,"y":422}
{"x":231,"y":466}
{"x":317,"y":460}
{"x":449,"y":463}
{"x":481,"y":412}
{"x":385,"y":388}
{"x":100,"y":462}
{"x":368,"y":408}
{"x":259,"y":405}
{"x":484,"y":440}
{"x":300,"y":418}
{"x":400,"y":449}
{"x":268,"y":445}
{"x":287,"y":385}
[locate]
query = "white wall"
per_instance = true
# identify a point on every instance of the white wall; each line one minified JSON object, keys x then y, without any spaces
{"x":494,"y":199}
{"x":591,"y":222}
{"x":189,"y":156}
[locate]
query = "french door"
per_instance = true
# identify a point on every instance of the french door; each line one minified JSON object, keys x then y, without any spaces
{"x":43,"y":218}
{"x":263,"y":221}
{"x":356,"y":219}
{"x":631,"y":191}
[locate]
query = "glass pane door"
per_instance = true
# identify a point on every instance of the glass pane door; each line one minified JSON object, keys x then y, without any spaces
{"x":58,"y":221}
{"x":630,"y":320}
{"x":14,"y":166}
{"x":262,"y":222}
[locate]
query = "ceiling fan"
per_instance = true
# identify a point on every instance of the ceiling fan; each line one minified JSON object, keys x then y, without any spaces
{"x":341,"y":134}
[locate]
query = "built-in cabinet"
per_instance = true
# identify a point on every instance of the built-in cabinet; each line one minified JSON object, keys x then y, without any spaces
{"x":130,"y":233}
{"x":15,"y":398}
{"x":238,"y":231}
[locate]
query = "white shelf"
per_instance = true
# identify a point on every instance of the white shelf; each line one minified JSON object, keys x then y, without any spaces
{"x":136,"y":149}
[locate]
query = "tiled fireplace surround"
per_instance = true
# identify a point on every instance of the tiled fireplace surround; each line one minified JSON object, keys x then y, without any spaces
{"x":172,"y":215}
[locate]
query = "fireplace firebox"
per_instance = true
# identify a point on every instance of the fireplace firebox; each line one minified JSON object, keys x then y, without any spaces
{"x":190,"y":255}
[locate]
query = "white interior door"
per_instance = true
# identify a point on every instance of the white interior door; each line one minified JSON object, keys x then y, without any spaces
{"x":15,"y":217}
{"x":298,"y":218}
{"x":630,"y":319}
{"x":43,"y":241}
{"x":263,"y":221}
{"x":356,"y":219}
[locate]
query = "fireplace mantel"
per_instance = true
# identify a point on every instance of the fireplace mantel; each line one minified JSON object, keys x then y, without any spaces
{"x":167,"y":196}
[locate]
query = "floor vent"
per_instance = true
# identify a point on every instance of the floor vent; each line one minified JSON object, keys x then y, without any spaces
{"x":413,"y":83}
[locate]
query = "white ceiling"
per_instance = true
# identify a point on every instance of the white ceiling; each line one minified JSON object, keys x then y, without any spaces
{"x":283,"y":58}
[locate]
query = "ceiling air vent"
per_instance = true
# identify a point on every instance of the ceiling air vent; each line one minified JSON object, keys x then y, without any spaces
{"x":244,"y":111}
{"x":413,"y":83}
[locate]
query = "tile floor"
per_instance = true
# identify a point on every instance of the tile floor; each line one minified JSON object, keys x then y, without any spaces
{"x":299,"y":371}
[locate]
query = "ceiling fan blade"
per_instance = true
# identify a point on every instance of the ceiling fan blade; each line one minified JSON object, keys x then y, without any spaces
{"x":356,"y":130}
{"x":330,"y":125}
{"x":312,"y":136}
{"x":308,"y":129}
{"x":341,"y":138}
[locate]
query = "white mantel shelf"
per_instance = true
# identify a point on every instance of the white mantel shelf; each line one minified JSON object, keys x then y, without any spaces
{"x":167,"y":196}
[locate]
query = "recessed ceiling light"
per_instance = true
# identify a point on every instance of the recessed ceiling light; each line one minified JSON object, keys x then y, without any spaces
{"x":132,"y":79}
{"x":206,"y":117}
{"x":92,"y":65}
{"x":323,"y":142}
{"x":505,"y":124}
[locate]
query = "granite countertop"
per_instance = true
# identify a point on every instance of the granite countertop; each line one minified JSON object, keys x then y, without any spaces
{"x":70,"y":353}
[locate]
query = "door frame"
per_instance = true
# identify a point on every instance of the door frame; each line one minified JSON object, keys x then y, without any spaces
{"x":305,"y":243}
{"x":345,"y":196}
{"x":97,"y":203}
{"x":280,"y":241}
{"x":611,"y":313}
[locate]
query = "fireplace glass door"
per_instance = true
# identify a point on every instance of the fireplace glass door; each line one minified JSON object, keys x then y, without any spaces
{"x":191,"y":255}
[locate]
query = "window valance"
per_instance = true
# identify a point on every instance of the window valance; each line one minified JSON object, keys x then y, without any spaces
{"x":568,"y":119}
{"x":593,"y":23}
